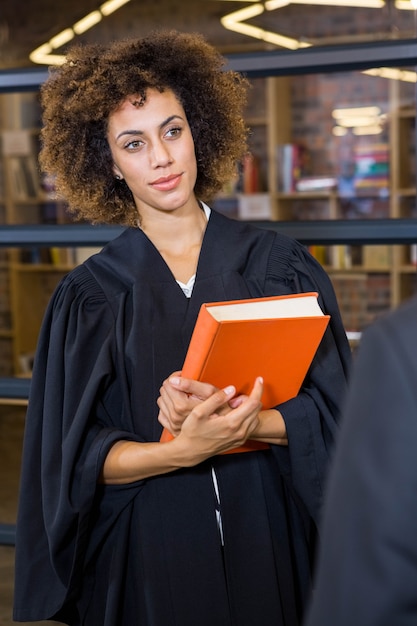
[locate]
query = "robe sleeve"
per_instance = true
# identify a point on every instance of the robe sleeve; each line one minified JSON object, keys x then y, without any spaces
{"x":67,"y":436}
{"x":312,"y":417}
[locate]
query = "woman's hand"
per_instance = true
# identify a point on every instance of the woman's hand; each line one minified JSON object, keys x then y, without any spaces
{"x":178,"y":398}
{"x":209,"y":429}
{"x":209,"y":420}
{"x":205,"y":432}
{"x":180,"y":395}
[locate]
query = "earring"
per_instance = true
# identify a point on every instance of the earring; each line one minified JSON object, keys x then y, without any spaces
{"x":118,"y":177}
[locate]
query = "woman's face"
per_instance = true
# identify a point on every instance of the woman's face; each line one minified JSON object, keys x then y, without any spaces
{"x":153,"y":151}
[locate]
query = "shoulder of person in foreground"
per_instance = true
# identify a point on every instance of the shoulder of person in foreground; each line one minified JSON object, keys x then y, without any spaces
{"x":367,"y":562}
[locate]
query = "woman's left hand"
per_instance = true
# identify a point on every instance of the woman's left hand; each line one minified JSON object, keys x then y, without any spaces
{"x":178,"y":398}
{"x":180,"y":395}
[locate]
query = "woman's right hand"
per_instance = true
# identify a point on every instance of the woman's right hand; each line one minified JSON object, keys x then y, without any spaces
{"x":209,"y":429}
{"x":178,"y":397}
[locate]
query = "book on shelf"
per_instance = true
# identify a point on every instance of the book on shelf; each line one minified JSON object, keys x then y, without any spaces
{"x":247,"y":179}
{"x":54,"y":256}
{"x":413,"y":254}
{"x":250,"y":173}
{"x":377,"y":256}
{"x":340,"y":256}
{"x":62,"y":256}
{"x":24,"y":178}
{"x":38,"y":255}
{"x":319,"y":252}
{"x":16,"y":142}
{"x":275,"y":337}
{"x":372,"y":166}
{"x":316,"y":183}
{"x":254,"y":206}
{"x":65,"y":256}
{"x":291,"y":164}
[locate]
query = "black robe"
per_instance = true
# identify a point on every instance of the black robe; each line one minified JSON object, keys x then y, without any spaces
{"x":148,"y":553}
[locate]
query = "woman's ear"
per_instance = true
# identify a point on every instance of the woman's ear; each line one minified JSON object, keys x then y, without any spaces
{"x":117,"y":173}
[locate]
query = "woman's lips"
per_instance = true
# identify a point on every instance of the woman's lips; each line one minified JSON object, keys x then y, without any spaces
{"x":167,"y":183}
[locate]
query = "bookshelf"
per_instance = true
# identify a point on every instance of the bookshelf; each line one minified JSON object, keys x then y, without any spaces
{"x":349,"y":177}
{"x":367,"y":279}
{"x":27,"y":276}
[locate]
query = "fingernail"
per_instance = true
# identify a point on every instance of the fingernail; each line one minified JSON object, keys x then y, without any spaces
{"x":230,"y":390}
{"x":175,"y":380}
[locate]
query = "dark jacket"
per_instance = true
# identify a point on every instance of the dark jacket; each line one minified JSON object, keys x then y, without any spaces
{"x":367,"y":573}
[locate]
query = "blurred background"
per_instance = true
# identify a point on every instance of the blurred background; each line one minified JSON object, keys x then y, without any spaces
{"x":336,"y":143}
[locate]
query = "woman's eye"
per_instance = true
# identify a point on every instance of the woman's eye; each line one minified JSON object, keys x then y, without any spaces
{"x":134,"y":144}
{"x":173,"y":132}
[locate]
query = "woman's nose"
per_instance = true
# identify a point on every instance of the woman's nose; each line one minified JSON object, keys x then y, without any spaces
{"x":160,"y":155}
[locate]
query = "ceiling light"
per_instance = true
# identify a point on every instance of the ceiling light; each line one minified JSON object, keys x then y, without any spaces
{"x":62,"y":38}
{"x":111,"y":6}
{"x":46,"y":48}
{"x":43,"y":54}
{"x":371,"y":111}
{"x":270,"y":5}
{"x":244,"y":14}
{"x":244,"y":29}
{"x":374,"y":129}
{"x":356,"y":118}
{"x":406,"y":5}
{"x":351,"y":122}
{"x":339,"y":131}
{"x":234,"y":21}
{"x":40,"y":52}
{"x":263,"y":35}
{"x":87,"y":22}
{"x":393,"y":73}
{"x":283,"y":41}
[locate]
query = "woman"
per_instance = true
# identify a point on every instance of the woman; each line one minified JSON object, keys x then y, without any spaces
{"x":115,"y":528}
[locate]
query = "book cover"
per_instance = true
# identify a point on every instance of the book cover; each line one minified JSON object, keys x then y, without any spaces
{"x":275,"y":337}
{"x":250,"y":172}
{"x":291,"y":163}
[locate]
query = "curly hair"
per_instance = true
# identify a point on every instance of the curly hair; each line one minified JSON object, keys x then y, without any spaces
{"x":95,"y":79}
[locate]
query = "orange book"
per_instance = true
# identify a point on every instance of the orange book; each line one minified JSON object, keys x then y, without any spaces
{"x":274,"y":337}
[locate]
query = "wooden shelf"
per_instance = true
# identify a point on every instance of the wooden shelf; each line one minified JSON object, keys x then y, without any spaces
{"x":33,"y":268}
{"x":256,"y":121}
{"x":29,"y":200}
{"x":306,"y":195}
{"x":24,"y":202}
{"x":406,"y":113}
{"x":406,"y":191}
{"x":357,"y":270}
{"x":6,"y":334}
{"x":407,"y":269}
